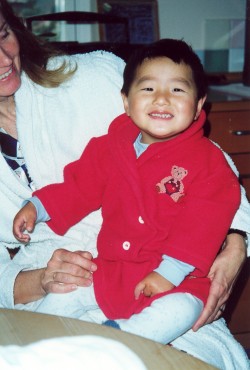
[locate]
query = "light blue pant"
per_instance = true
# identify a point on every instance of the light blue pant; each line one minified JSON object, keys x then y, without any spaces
{"x":166,"y":319}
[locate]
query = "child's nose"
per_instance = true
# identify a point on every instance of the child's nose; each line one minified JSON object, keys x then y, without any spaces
{"x":162,"y":98}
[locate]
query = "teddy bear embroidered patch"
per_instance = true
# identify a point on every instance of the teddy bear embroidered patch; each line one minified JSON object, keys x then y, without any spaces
{"x":172,"y":185}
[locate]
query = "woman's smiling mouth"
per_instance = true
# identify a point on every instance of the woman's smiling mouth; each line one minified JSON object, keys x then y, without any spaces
{"x":6,"y":74}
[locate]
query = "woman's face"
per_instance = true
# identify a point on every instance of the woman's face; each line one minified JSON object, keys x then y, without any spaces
{"x":10,"y":66}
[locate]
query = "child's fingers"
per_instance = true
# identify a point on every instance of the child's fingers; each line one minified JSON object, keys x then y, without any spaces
{"x":19,"y":227}
{"x":25,"y":238}
{"x":139,"y":289}
{"x":22,"y":237}
{"x":30,"y":224}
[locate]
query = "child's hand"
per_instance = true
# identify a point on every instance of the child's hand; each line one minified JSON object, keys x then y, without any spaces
{"x":152,"y":284}
{"x":24,"y":220}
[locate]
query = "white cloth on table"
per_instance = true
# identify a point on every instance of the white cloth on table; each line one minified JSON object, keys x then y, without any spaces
{"x":76,"y":352}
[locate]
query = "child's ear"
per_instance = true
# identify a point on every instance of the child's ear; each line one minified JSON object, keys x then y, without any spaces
{"x":199,"y":106}
{"x":125,"y":103}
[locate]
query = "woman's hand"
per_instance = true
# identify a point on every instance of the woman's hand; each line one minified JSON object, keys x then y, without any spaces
{"x":152,"y":284}
{"x":65,"y":271}
{"x":223,"y":275}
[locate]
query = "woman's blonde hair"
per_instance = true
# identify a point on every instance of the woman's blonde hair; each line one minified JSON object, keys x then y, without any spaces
{"x":35,"y":54}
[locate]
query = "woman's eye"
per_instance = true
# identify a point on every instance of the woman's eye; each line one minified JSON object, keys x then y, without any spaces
{"x":4,"y":34}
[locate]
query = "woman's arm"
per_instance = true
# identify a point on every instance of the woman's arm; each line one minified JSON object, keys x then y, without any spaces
{"x":65,"y":271}
{"x":228,"y":263}
{"x":223,"y":275}
{"x":27,"y":287}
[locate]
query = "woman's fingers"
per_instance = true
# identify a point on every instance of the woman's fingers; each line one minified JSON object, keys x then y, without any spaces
{"x":67,"y":270}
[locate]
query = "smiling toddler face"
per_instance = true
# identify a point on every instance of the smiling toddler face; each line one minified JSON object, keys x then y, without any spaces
{"x":162,"y":100}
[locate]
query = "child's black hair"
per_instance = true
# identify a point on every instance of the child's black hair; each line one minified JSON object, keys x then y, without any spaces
{"x":176,"y":50}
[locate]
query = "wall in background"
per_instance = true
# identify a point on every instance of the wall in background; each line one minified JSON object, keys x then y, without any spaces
{"x":214,"y":28}
{"x":188,"y":18}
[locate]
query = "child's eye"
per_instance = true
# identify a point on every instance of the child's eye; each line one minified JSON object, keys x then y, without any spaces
{"x":147,"y":89}
{"x":177,"y":89}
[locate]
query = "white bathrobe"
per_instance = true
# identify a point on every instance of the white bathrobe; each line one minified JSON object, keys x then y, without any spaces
{"x":54,"y":125}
